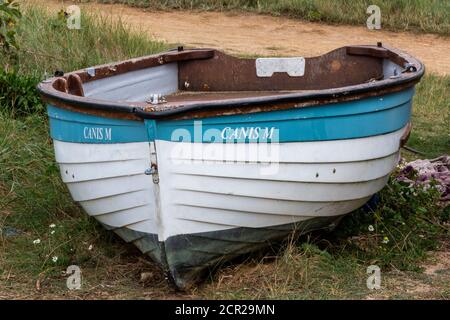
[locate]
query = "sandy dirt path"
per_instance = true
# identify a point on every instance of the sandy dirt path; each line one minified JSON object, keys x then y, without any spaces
{"x":246,"y":33}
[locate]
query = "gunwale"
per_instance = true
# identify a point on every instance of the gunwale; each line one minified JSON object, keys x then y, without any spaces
{"x":182,"y":109}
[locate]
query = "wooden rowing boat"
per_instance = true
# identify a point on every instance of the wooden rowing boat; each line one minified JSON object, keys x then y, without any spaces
{"x":197,"y":157}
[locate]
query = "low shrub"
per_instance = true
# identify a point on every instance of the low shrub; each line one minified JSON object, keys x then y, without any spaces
{"x":18,"y":94}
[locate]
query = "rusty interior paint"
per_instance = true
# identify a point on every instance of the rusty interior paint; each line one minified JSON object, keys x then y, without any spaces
{"x":227,"y":73}
{"x":265,"y":107}
{"x":113,"y":69}
{"x":60,"y":84}
{"x":75,"y":85}
{"x":212,"y":83}
{"x":376,"y":52}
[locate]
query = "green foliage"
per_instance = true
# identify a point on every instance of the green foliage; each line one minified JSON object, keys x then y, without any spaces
{"x":9,"y":14}
{"x":18,"y":94}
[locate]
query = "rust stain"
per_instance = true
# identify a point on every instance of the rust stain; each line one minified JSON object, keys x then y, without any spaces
{"x":335,"y":66}
{"x":209,"y":77}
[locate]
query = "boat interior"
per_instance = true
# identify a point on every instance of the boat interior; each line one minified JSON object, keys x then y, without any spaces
{"x":182,"y":76}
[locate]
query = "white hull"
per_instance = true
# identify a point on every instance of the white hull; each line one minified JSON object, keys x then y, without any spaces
{"x":108,"y":181}
{"x":199,"y":192}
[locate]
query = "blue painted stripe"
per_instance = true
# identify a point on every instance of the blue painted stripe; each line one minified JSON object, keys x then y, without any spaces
{"x":79,"y":127}
{"x":345,"y":120}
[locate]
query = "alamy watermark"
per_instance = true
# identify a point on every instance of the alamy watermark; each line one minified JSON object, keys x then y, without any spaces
{"x":241,"y":144}
{"x":374,"y":20}
{"x":73,"y":15}
{"x":73,"y":281}
{"x":374,"y":280}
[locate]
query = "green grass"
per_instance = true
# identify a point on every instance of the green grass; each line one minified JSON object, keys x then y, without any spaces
{"x":399,"y":15}
{"x":46,"y":47}
{"x":50,"y":46}
{"x":431,"y":117}
{"x":32,"y":197}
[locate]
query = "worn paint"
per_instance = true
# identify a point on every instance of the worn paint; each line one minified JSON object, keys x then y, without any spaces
{"x":345,"y":120}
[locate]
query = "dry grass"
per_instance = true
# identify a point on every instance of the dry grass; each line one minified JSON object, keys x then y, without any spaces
{"x":299,"y":275}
